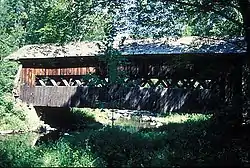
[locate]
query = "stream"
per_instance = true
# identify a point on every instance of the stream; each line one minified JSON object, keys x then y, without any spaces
{"x":68,"y":126}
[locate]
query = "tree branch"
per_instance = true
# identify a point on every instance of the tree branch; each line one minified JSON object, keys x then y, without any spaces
{"x":202,"y":8}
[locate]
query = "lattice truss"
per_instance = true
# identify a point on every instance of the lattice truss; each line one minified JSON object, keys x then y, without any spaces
{"x":141,"y":82}
{"x":172,"y":83}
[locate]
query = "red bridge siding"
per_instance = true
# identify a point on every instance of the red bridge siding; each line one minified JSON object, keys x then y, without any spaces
{"x":28,"y":75}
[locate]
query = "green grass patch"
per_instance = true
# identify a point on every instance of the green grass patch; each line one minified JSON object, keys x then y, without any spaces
{"x":184,"y":140}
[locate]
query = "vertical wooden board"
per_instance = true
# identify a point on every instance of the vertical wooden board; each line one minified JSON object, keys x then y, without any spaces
{"x":50,"y":72}
{"x":83,"y":71}
{"x":45,"y":97}
{"x":25,"y":93}
{"x":64,"y":71}
{"x":50,"y":93}
{"x":61,"y":71}
{"x":34,"y":71}
{"x":41,"y":71}
{"x":46,"y":71}
{"x":22,"y":93}
{"x":23,"y":76}
{"x":58,"y":71}
{"x":41,"y":95}
{"x":33,"y":76}
{"x":55,"y":71}
{"x":78,"y":71}
{"x":37,"y":97}
{"x":68,"y":71}
{"x":66,"y":97}
{"x":27,"y":76}
{"x":71,"y":71}
{"x":38,"y":71}
{"x":75,"y":71}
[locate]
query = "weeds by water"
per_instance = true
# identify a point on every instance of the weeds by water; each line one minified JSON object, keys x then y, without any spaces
{"x":195,"y":141}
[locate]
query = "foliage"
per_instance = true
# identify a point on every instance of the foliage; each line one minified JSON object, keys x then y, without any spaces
{"x":63,"y":21}
{"x":193,"y":143}
{"x":7,"y":75}
{"x":16,"y":152}
{"x":157,"y":18}
{"x":14,"y":115}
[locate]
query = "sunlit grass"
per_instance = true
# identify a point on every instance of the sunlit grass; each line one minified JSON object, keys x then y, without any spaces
{"x":181,"y":118}
{"x":135,"y":121}
{"x":184,"y":140}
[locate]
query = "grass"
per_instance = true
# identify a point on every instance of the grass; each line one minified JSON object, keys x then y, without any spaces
{"x":184,"y":140}
{"x":16,"y":152}
{"x":102,"y":117}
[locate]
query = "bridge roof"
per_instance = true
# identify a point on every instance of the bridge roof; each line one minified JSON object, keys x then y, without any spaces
{"x":168,"y":46}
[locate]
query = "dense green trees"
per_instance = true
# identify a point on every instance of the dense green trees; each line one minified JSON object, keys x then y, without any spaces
{"x":58,"y":21}
{"x":29,"y":21}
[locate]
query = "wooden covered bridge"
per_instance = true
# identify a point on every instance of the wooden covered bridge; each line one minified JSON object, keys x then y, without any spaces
{"x":186,"y":74}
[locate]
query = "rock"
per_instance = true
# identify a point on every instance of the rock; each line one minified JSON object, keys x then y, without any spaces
{"x":114,"y":116}
{"x":6,"y":132}
{"x":45,"y":128}
{"x":158,"y":124}
{"x":146,"y":118}
{"x":152,"y":123}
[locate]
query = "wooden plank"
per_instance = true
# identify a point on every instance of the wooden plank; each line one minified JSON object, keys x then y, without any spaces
{"x":53,"y":82}
{"x":27,"y":76}
{"x":33,"y":76}
{"x":65,"y":82}
{"x":78,"y":71}
{"x":83,"y":71}
{"x":22,"y":76}
{"x":41,"y":82}
{"x":42,"y":71}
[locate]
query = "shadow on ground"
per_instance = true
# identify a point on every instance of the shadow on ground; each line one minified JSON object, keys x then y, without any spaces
{"x":192,"y":143}
{"x":187,"y":144}
{"x":65,"y":118}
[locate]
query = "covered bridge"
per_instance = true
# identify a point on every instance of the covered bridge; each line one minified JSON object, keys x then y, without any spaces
{"x":168,"y":74}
